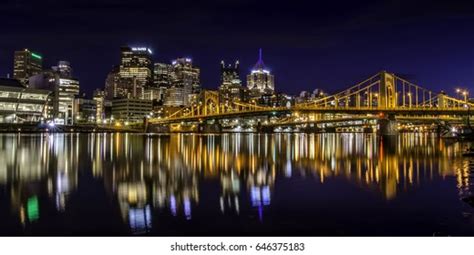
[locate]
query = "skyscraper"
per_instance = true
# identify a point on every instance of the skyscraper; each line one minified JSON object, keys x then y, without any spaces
{"x":231,"y":86}
{"x":65,"y":88}
{"x":185,"y":84}
{"x":162,"y":80}
{"x":99,"y":98}
{"x":136,"y":69}
{"x":113,"y":88}
{"x":260,"y":81}
{"x":63,"y":68}
{"x":230,"y":74}
{"x":26,"y":64}
{"x":186,"y":75}
{"x":162,"y":74}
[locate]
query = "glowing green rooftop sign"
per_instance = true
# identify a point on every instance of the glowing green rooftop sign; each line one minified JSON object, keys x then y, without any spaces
{"x":36,"y":55}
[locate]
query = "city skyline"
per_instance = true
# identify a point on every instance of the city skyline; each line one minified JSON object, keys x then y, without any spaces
{"x":306,"y":49}
{"x":258,"y":123}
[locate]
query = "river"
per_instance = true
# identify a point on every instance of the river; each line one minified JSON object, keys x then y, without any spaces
{"x":234,"y":184}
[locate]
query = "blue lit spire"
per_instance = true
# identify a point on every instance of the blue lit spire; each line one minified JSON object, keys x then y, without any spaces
{"x":259,"y":65}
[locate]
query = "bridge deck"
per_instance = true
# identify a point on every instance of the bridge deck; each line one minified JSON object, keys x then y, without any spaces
{"x":368,"y":111}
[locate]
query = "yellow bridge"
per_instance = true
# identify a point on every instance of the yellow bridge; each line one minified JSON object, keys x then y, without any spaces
{"x":383,"y":96}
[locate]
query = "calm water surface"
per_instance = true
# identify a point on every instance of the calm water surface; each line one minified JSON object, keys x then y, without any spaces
{"x":233,"y":184}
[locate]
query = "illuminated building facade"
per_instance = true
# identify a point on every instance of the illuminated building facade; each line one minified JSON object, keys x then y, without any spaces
{"x":306,"y":96}
{"x":260,"y":81}
{"x":113,"y":87}
{"x":185,"y":83}
{"x":176,"y":96}
{"x":26,"y":64}
{"x":162,"y":74}
{"x":65,"y":89}
{"x":162,"y":80}
{"x":186,"y":75}
{"x":21,"y":104}
{"x":131,"y":109}
{"x":230,"y":74}
{"x":155,"y":94}
{"x":135,"y":71}
{"x":63,"y":68}
{"x":99,"y":98}
{"x":85,"y":110}
{"x":231,"y":86}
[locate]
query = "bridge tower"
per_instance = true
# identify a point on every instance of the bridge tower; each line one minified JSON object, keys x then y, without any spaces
{"x":211,"y":102}
{"x":387,"y":99}
{"x":387,"y":91}
{"x":442,"y":102}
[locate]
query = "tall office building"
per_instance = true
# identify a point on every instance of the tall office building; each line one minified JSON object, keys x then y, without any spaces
{"x":99,"y":98}
{"x":230,"y":74}
{"x":260,"y":81}
{"x":65,"y":88}
{"x":113,"y":87}
{"x":63,"y":68}
{"x":231,"y":86}
{"x":162,"y":80}
{"x":136,"y":70}
{"x":162,"y":74}
{"x":186,"y":75}
{"x":26,"y":64}
{"x":85,"y":110}
{"x":185,"y":84}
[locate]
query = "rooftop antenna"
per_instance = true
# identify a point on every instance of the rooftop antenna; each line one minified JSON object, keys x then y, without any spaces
{"x":260,"y":55}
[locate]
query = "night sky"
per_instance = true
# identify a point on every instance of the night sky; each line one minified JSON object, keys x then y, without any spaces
{"x":307,"y":44}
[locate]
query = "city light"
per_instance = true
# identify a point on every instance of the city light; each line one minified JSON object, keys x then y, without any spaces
{"x":32,"y":208}
{"x":464,"y":93}
{"x":142,"y":49}
{"x":137,"y":118}
{"x":36,"y":56}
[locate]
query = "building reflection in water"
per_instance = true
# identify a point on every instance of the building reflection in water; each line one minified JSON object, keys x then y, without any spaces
{"x":38,"y":166}
{"x":150,"y":175}
{"x":229,"y":198}
{"x":144,"y":174}
{"x":465,"y":177}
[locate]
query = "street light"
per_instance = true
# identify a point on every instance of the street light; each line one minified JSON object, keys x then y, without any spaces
{"x":465,"y":93}
{"x":462,"y":92}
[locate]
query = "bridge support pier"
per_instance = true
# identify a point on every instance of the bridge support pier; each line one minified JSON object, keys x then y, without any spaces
{"x":311,"y":129}
{"x":264,"y":129}
{"x":210,"y":128}
{"x":158,"y":129}
{"x":388,"y":126}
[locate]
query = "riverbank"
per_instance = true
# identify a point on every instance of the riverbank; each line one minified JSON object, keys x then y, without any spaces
{"x":82,"y":128}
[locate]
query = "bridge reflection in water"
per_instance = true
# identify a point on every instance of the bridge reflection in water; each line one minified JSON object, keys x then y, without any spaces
{"x":162,"y":180}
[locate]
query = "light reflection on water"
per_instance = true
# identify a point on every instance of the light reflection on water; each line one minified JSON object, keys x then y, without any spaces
{"x":230,"y":183}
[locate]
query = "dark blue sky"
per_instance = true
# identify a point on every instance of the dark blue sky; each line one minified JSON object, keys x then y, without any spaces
{"x":307,"y":44}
